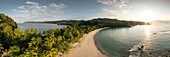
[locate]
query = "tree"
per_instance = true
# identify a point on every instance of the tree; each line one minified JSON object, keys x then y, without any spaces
{"x":59,"y":38}
{"x":13,"y":51}
{"x":8,"y":30}
{"x":35,"y":31}
{"x":18,"y":32}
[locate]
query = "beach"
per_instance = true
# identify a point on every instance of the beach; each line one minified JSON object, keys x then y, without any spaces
{"x":86,"y":47}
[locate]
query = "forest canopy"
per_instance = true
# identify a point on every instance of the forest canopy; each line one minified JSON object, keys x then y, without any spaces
{"x":14,"y":43}
{"x":104,"y":22}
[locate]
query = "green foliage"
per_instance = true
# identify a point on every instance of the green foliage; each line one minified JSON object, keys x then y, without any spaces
{"x":8,"y":30}
{"x":101,"y":22}
{"x":18,"y":32}
{"x":7,"y":20}
{"x":51,"y":42}
{"x":1,"y":48}
{"x":13,"y":51}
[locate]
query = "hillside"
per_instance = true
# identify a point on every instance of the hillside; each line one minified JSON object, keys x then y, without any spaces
{"x":104,"y":22}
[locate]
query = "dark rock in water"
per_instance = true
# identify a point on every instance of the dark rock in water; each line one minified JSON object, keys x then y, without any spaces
{"x":154,"y":33}
{"x":150,"y":53}
{"x":168,"y":50}
{"x":140,"y":48}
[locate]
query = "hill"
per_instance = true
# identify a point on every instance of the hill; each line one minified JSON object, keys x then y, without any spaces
{"x":104,"y":22}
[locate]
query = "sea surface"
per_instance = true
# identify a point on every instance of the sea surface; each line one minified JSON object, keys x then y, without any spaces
{"x":39,"y":26}
{"x":137,"y":41}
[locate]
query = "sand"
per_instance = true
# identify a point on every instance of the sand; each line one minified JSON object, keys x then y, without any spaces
{"x":86,"y":47}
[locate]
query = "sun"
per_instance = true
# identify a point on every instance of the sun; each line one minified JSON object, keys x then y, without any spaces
{"x":147,"y":15}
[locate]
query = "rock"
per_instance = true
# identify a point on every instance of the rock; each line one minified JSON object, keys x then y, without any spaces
{"x":154,"y":33}
{"x":168,"y":50}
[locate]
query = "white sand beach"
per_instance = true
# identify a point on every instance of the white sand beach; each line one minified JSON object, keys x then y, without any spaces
{"x":86,"y":47}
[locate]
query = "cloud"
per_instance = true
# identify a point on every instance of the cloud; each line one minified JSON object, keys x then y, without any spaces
{"x":113,"y":14}
{"x":110,"y":13}
{"x":21,"y":7}
{"x":121,"y":8}
{"x":117,"y":3}
{"x":19,"y":17}
{"x":28,"y":2}
{"x":22,"y":11}
{"x":125,"y":11}
{"x":14,"y":10}
{"x":36,"y":11}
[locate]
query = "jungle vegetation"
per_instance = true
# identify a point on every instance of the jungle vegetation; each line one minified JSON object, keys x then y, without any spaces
{"x":31,"y":43}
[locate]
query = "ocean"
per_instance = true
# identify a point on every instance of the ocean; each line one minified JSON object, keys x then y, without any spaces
{"x":137,"y":41}
{"x":39,"y":26}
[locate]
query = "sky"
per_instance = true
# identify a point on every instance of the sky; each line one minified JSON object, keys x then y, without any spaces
{"x":52,"y":10}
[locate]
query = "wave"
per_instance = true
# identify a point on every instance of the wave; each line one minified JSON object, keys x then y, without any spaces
{"x":163,"y":32}
{"x":142,"y":49}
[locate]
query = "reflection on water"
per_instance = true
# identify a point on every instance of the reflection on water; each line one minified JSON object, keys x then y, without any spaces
{"x":144,"y":48}
{"x":147,"y":31}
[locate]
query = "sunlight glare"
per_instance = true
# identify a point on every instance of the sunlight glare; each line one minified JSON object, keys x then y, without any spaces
{"x":147,"y":29}
{"x":146,"y":14}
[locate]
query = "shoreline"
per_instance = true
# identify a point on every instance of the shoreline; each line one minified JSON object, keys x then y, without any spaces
{"x":86,"y":47}
{"x":98,"y":46}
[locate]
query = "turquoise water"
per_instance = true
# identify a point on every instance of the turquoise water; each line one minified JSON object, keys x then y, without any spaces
{"x":39,"y":26}
{"x":137,"y":41}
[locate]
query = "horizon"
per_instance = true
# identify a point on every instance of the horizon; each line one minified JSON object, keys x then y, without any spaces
{"x":54,"y":10}
{"x":98,"y":18}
